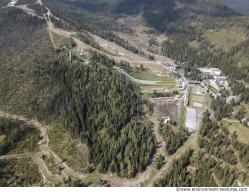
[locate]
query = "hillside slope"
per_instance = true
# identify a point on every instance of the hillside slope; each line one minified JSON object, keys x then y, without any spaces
{"x":92,"y":101}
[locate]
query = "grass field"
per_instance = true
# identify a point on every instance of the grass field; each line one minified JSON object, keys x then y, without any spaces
{"x":59,"y":40}
{"x":166,"y":82}
{"x":19,"y":173}
{"x":74,"y":153}
{"x":29,"y":143}
{"x":198,"y":99}
{"x":226,"y":38}
{"x":242,"y":131}
{"x":151,"y":77}
{"x":92,"y":178}
{"x":148,"y":89}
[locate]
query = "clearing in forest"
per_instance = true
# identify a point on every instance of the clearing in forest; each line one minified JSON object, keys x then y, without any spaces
{"x":241,"y":130}
{"x":226,"y":38}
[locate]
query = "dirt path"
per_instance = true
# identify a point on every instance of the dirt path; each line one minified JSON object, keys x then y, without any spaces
{"x":114,"y":180}
{"x":16,"y":156}
{"x":117,"y":52}
{"x":147,"y":177}
{"x":141,"y":178}
{"x":160,"y":142}
{"x":216,"y":180}
{"x":50,"y":26}
{"x":44,"y":150}
{"x":231,"y":121}
{"x":190,"y":143}
{"x":50,"y":178}
{"x":28,"y":11}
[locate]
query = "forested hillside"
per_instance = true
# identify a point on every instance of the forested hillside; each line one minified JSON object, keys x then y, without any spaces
{"x":102,"y":118}
{"x":222,"y":160}
{"x":95,"y":103}
{"x":189,"y":24}
{"x":25,"y":51}
{"x":204,"y":53}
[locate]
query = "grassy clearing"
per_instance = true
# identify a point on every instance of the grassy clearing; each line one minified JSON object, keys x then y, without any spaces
{"x":242,"y":57}
{"x":92,"y":178}
{"x":59,"y":40}
{"x":198,"y":99}
{"x":146,"y":75}
{"x":242,"y":131}
{"x":201,"y":99}
{"x":148,"y":89}
{"x":170,"y":84}
{"x":19,"y":173}
{"x":28,"y":143}
{"x":226,"y":38}
{"x":166,"y":82}
{"x":74,"y":153}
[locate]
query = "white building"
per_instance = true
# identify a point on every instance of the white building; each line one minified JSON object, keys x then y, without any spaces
{"x":166,"y":119}
{"x":210,"y":71}
{"x":214,"y":84}
{"x":198,"y":90}
{"x":173,"y":67}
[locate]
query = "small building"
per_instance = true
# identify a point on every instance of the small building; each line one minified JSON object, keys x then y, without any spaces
{"x":214,"y":84}
{"x":232,"y":98}
{"x":199,"y":90}
{"x":174,"y":67}
{"x":212,"y":72}
{"x":216,"y":71}
{"x":166,"y":119}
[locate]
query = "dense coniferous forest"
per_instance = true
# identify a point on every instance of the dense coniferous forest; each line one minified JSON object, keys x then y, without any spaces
{"x":102,"y":118}
{"x":221,"y":108}
{"x":216,"y":163}
{"x":173,"y":137}
{"x":100,"y":107}
{"x":216,"y":141}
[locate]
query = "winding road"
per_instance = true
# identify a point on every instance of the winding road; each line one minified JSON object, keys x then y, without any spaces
{"x":48,"y":177}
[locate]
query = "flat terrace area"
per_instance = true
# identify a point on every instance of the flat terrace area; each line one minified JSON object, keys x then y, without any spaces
{"x":191,"y":120}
